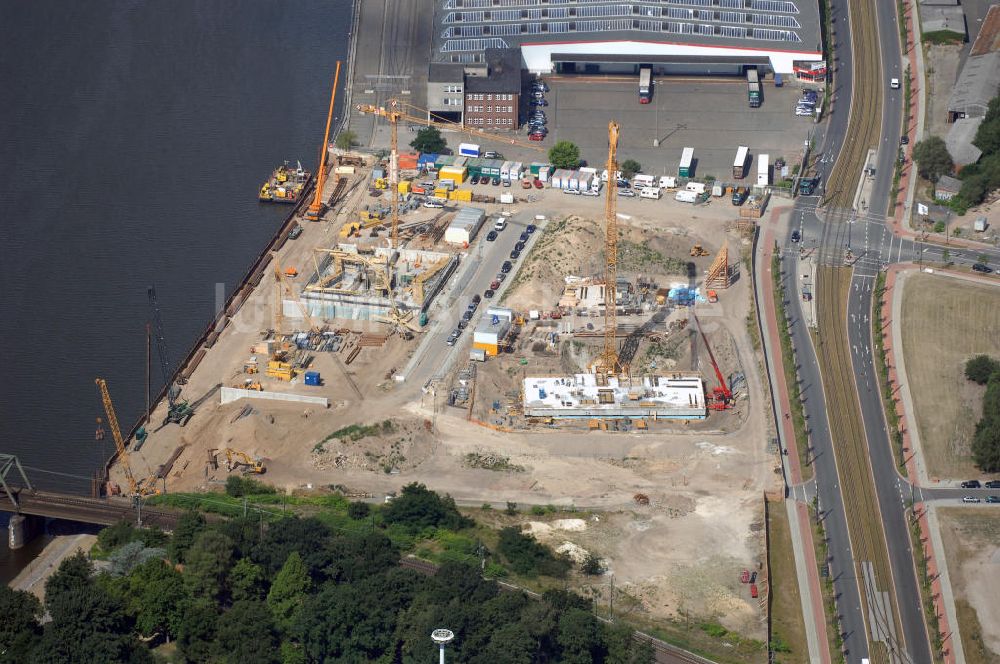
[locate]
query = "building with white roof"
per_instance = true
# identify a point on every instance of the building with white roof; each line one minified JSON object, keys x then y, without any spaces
{"x":677,"y":396}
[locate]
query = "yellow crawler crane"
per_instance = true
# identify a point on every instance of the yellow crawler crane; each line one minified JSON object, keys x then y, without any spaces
{"x":145,"y":487}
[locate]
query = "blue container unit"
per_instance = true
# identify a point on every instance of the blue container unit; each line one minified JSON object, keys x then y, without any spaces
{"x":312,"y":378}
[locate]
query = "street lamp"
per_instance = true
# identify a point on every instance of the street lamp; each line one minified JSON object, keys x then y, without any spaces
{"x":442,"y":637}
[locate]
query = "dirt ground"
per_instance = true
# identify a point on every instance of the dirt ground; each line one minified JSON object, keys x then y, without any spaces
{"x":681,"y":553}
{"x":945,"y":321}
{"x":972,"y":545}
{"x":942,"y":65}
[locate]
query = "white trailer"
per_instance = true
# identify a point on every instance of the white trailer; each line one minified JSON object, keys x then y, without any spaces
{"x":740,"y":164}
{"x":650,"y":192}
{"x":763,"y":170}
{"x":696,"y":187}
{"x":505,"y":170}
{"x":687,"y":157}
{"x":668,"y":182}
{"x":641,"y":180}
{"x":685,"y":196}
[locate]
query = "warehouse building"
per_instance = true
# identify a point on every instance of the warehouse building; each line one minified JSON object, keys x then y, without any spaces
{"x":693,"y":37}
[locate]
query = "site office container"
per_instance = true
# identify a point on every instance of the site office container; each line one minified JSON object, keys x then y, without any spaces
{"x":585,"y":181}
{"x":650,"y":192}
{"x":468,"y":149}
{"x":687,"y":158}
{"x":763,"y":170}
{"x":574,"y":181}
{"x":740,"y":164}
{"x":457,"y":174}
{"x":696,"y":187}
{"x":543,"y":173}
{"x":516,"y":170}
{"x":505,"y":170}
{"x":686,"y":196}
{"x":668,"y":182}
{"x":640,"y":180}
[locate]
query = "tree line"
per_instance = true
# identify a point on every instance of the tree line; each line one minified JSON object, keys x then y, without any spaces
{"x":293,"y":591}
{"x":984,"y":370}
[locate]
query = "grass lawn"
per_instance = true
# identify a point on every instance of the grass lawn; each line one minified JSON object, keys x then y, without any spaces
{"x":788,"y":632}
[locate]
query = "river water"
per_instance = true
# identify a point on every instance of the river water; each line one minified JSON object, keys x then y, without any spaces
{"x":135,"y":135}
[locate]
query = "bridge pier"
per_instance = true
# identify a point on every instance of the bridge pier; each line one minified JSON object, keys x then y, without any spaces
{"x":22,"y":529}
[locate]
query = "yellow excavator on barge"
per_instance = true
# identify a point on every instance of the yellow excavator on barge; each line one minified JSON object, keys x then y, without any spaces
{"x":285,"y":185}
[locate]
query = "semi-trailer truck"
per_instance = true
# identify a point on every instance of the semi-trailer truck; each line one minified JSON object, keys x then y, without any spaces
{"x":645,"y":84}
{"x":753,"y":88}
{"x":740,"y":165}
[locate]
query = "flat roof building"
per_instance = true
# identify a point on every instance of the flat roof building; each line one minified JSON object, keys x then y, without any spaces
{"x":979,"y":79}
{"x":678,"y":396}
{"x":596,"y":36}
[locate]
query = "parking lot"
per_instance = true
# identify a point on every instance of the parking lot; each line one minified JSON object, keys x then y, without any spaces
{"x":711,"y":116}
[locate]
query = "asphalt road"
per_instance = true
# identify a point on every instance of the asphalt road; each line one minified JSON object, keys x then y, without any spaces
{"x":479,"y":267}
{"x":874,"y":245}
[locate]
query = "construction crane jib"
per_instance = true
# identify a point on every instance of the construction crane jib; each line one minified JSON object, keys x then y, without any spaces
{"x":609,"y":363}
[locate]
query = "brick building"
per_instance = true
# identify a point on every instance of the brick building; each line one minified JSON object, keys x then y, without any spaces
{"x":493,"y":90}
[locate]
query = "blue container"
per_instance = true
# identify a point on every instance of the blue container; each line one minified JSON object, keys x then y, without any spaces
{"x":312,"y":378}
{"x":777,"y":80}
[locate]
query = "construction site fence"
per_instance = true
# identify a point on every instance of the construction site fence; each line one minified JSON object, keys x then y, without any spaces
{"x":250,"y":280}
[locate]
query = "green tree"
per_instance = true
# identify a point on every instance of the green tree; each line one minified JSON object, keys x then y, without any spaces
{"x":509,"y":644}
{"x":129,"y":556}
{"x":932,"y":158}
{"x":189,"y":526}
{"x":288,"y":591}
{"x":429,"y":139}
{"x":238,"y":486}
{"x":592,"y":565}
{"x":978,"y":369}
{"x":157,"y":597}
{"x":208,"y":562}
{"x":417,"y":507}
{"x":358,"y":510}
{"x":246,"y":581}
{"x":88,"y":623}
{"x":630,"y":167}
{"x":310,"y":537}
{"x":564,"y":155}
{"x":346,"y":139}
{"x":527,"y":556}
{"x":196,"y":630}
{"x":247,"y":635}
{"x":19,"y":629}
{"x":579,"y":637}
{"x":122,"y":533}
{"x":988,"y":136}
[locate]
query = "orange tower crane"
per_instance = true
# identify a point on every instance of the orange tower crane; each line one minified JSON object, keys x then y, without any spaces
{"x":395,"y":111}
{"x":609,"y":363}
{"x":316,"y":207}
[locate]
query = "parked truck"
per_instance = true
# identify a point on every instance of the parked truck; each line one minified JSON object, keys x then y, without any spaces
{"x":740,"y":165}
{"x":753,"y":88}
{"x":687,"y":157}
{"x":645,"y":84}
{"x":763,"y":170}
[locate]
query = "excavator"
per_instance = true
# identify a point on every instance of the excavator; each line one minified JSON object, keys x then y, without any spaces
{"x":237,"y":459}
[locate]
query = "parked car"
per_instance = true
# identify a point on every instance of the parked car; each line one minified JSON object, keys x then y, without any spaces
{"x":474,"y":179}
{"x":993,"y":499}
{"x":489,"y":293}
{"x":453,"y":337}
{"x":475,"y":301}
{"x":538,"y":184}
{"x":496,"y":181}
{"x":796,"y":236}
{"x":295,"y":232}
{"x":464,"y":323}
{"x":467,"y":316}
{"x":506,"y":183}
{"x":971,"y":484}
{"x":515,"y":254}
{"x":523,"y":236}
{"x":627,"y":193}
{"x":993,"y":484}
{"x":525,"y":184}
{"x":490,"y":154}
{"x":590,"y":192}
{"x":803,"y":112}
{"x":530,"y":229}
{"x":536,"y":136}
{"x":500,"y":277}
{"x":971,"y":499}
{"x":572,"y":192}
{"x":495,"y":284}
{"x":492,"y":235}
{"x":904,"y":139}
{"x":433,"y":204}
{"x":519,"y":247}
{"x":982,"y":267}
{"x":538,"y":102}
{"x":506,"y":267}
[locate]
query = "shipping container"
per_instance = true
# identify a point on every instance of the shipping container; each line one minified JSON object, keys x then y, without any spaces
{"x":404,"y":186}
{"x":458,"y":174}
{"x":763,"y":170}
{"x":460,"y":195}
{"x":468,"y":149}
{"x":740,"y":164}
{"x":687,"y":158}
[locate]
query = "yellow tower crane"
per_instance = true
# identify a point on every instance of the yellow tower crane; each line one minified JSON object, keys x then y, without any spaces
{"x":394,"y":111}
{"x":148,"y":485}
{"x":609,"y":363}
{"x":316,"y":207}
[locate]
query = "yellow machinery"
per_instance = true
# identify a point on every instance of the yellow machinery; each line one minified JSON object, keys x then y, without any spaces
{"x":608,"y":363}
{"x":698,"y":250}
{"x":147,"y":486}
{"x":396,"y":110}
{"x":236,"y":459}
{"x":316,"y":207}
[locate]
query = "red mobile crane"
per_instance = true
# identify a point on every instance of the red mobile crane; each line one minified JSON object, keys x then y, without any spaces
{"x":721,"y":397}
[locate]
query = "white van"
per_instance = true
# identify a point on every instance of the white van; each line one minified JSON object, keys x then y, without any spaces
{"x":639,"y":180}
{"x":650,"y":192}
{"x":500,"y":224}
{"x":685,"y":196}
{"x":668,"y":182}
{"x":696,"y":187}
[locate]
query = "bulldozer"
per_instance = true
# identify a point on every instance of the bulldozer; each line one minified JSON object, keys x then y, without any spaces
{"x":698,"y":250}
